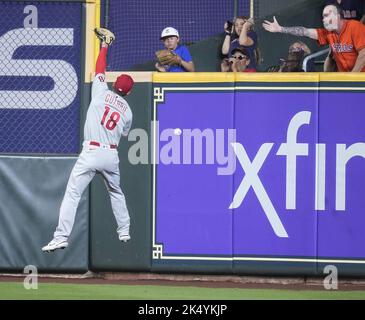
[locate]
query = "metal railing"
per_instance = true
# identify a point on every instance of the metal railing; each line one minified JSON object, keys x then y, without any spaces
{"x":314,"y":55}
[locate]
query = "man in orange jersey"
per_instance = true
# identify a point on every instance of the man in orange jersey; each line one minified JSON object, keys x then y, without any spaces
{"x":345,"y":37}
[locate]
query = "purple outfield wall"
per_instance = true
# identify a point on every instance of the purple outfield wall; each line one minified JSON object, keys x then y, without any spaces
{"x":257,"y":174}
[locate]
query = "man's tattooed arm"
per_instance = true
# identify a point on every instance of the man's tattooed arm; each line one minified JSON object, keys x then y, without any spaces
{"x":274,"y":26}
{"x":300,"y":32}
{"x":295,"y":31}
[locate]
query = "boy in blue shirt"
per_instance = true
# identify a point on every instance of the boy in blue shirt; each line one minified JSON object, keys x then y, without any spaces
{"x":170,"y":38}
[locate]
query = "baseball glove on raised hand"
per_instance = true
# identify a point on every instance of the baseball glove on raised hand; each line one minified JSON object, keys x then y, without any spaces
{"x":105,"y":35}
{"x":167,"y":57}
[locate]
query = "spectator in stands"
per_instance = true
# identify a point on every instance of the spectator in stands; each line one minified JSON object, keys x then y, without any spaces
{"x":345,"y":37}
{"x":293,"y":63}
{"x":170,"y":38}
{"x":240,"y":60}
{"x":351,"y":9}
{"x":300,"y":46}
{"x":230,"y":35}
{"x":240,"y":34}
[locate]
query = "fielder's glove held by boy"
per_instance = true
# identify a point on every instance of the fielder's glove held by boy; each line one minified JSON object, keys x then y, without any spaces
{"x":104,"y":35}
{"x":167,"y":57}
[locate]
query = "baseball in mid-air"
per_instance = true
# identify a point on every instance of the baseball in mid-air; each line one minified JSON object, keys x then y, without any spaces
{"x":177,"y":131}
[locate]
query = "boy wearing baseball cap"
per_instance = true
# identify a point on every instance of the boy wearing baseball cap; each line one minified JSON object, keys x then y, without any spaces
{"x":177,"y":58}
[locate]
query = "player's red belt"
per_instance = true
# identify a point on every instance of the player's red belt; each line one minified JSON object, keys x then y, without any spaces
{"x":95,"y":143}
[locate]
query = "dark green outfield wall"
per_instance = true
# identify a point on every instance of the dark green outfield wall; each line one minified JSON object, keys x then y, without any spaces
{"x":31,"y":193}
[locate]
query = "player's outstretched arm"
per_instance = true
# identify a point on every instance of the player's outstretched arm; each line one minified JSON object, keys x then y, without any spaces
{"x":101,"y":61}
{"x":295,"y":31}
{"x":99,"y":85}
{"x":106,"y":37}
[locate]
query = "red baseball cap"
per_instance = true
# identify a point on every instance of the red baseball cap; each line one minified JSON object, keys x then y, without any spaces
{"x":124,"y":84}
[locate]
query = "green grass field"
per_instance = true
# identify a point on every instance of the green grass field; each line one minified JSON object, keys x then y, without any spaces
{"x":55,"y":291}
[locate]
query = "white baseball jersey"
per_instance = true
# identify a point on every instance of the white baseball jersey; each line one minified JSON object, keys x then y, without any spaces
{"x":109,"y":115}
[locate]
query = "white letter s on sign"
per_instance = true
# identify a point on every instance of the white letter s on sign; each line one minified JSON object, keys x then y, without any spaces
{"x":62,"y":72}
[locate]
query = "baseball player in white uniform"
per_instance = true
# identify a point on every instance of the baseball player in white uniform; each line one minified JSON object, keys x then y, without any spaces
{"x":108,"y":118}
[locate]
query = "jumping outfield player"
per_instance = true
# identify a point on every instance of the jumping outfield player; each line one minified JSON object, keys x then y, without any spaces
{"x":108,"y":118}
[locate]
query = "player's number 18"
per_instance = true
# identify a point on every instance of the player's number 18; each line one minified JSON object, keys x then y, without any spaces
{"x":112,"y":121}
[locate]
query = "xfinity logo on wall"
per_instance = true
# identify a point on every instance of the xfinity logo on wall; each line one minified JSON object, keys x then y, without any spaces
{"x":61,"y":72}
{"x":292,"y":149}
{"x":221,"y":148}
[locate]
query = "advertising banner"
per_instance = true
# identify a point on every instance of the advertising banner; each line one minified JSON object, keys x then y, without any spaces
{"x":261,"y":172}
{"x":40,"y":48}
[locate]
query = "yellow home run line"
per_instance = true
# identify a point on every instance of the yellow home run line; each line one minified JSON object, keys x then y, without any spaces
{"x":213,"y":77}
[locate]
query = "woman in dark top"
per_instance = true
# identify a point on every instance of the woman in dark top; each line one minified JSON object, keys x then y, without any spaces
{"x":241,"y":34}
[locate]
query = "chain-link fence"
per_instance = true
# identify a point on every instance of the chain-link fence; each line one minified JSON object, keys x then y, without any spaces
{"x":40,"y":48}
{"x":265,"y":8}
{"x":138,"y":25}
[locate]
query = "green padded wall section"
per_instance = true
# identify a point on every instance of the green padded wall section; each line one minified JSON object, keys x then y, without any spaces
{"x":32,"y":191}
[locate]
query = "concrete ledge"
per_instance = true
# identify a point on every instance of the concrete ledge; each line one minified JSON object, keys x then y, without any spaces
{"x":292,"y":283}
{"x":211,"y":278}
